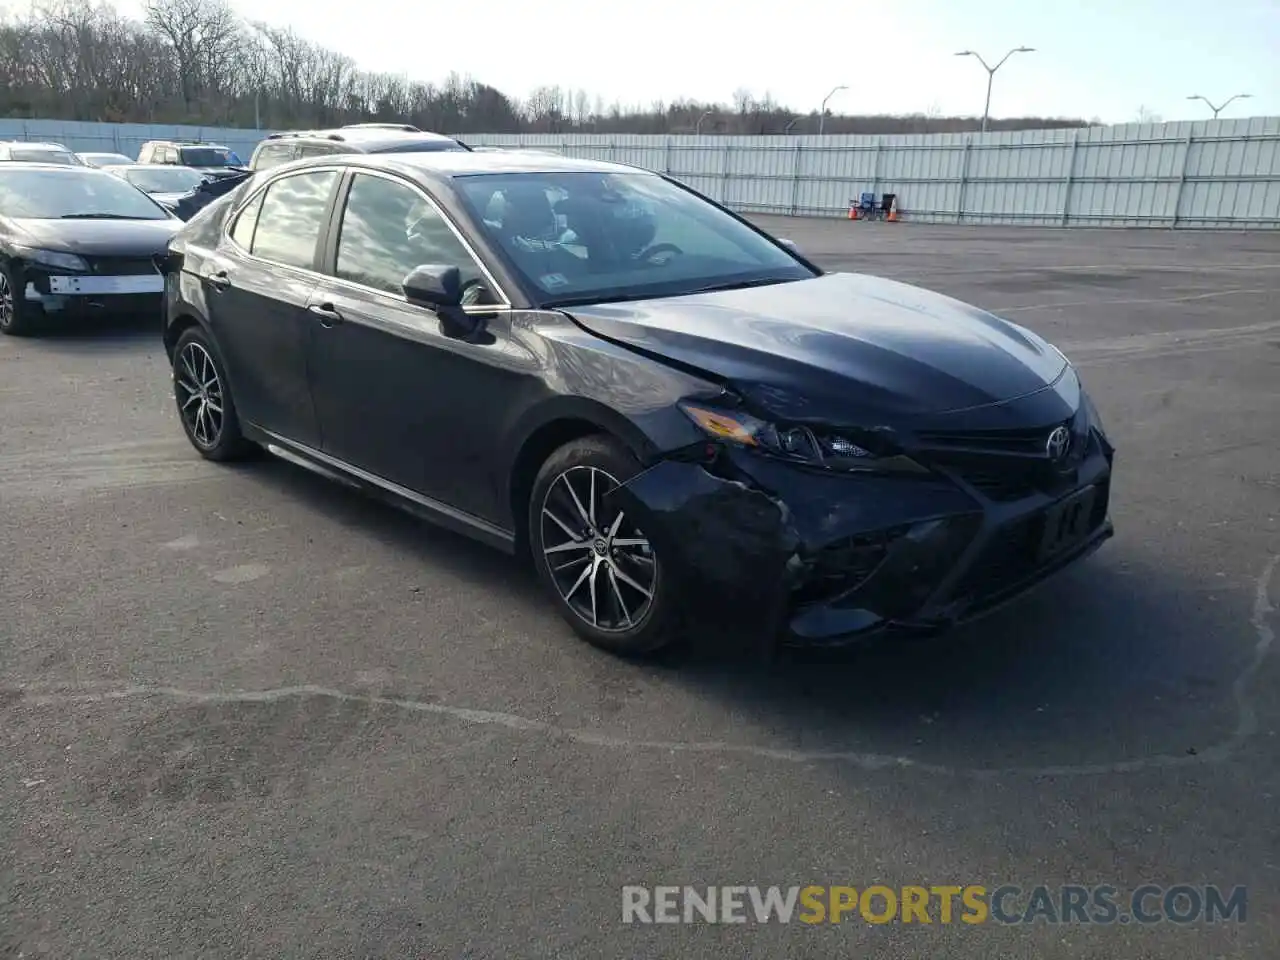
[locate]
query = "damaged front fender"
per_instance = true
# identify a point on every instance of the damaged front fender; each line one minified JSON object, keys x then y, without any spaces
{"x":724,"y":546}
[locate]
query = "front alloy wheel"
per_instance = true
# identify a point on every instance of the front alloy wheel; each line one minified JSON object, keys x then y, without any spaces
{"x":600,"y":566}
{"x":15,"y":314}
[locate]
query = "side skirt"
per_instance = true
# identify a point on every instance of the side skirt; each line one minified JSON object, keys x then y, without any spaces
{"x":433,"y":511}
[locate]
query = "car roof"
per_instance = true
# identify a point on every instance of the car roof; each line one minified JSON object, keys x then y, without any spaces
{"x":37,"y":144}
{"x":363,"y":138}
{"x":448,"y":164}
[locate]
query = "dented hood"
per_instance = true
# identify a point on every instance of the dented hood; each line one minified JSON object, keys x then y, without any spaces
{"x":838,"y":345}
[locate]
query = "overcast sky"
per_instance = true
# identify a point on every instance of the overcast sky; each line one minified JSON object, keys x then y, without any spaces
{"x":1094,"y":58}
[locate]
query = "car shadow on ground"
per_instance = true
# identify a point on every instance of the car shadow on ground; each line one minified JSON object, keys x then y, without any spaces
{"x":1116,"y":658}
{"x":1109,"y":661}
{"x":98,"y":333}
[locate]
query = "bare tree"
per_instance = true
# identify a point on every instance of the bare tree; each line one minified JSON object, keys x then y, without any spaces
{"x":195,"y":61}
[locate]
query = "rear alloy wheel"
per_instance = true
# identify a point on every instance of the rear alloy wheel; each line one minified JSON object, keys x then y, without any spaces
{"x":599,"y":565}
{"x":204,"y":401}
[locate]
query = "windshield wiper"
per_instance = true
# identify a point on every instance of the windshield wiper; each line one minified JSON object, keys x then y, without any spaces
{"x":97,"y":216}
{"x":593,"y":300}
{"x":739,"y":285}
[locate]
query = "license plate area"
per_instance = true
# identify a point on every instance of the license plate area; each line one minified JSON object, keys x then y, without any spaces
{"x":1066,"y":524}
{"x":91,"y":285}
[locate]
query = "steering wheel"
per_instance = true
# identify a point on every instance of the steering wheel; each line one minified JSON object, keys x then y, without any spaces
{"x":655,"y":254}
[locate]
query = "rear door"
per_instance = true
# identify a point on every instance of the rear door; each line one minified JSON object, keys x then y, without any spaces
{"x":258,"y":296}
{"x":395,"y":396}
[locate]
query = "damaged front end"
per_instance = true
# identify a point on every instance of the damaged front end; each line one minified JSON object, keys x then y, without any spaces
{"x":833,"y":557}
{"x":817,"y":536}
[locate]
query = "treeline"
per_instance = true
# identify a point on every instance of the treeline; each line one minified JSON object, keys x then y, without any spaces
{"x":197,"y":62}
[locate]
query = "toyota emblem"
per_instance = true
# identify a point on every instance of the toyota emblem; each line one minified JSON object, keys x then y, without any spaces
{"x":1058,"y":444}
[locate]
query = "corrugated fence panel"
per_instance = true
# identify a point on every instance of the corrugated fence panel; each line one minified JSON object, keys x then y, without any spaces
{"x":1214,"y":173}
{"x":1207,"y":173}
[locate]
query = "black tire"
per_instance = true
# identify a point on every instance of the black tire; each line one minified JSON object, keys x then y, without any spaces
{"x":625,"y":622}
{"x":209,"y":419}
{"x":17,"y":317}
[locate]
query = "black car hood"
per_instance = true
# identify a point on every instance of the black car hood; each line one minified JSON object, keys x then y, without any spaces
{"x":117,"y":238}
{"x":840,"y":345}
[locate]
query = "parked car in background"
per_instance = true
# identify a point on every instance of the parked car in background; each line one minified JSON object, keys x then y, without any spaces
{"x":165,"y":185}
{"x":669,"y":410}
{"x":104,"y":159}
{"x":213,"y":159}
{"x":189,"y":204}
{"x":281,"y":148}
{"x":21,"y":151}
{"x":76,"y":239}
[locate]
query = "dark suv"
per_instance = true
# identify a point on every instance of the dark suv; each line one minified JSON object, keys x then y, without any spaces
{"x":280,"y":148}
{"x":211,"y":159}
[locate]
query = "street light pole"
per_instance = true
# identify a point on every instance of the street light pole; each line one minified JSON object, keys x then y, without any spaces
{"x":1217,"y":110}
{"x":991,"y":75}
{"x":697,"y":130}
{"x":822,"y":111}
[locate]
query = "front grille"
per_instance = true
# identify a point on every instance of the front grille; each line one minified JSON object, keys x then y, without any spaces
{"x":1006,"y":465}
{"x":122,"y":266}
{"x":845,"y":564}
{"x":995,"y":480}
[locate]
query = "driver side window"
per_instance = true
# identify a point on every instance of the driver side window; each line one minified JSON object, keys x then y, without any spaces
{"x":387,"y":231}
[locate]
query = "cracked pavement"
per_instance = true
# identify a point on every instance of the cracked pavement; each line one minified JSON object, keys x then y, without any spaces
{"x":247,"y":713}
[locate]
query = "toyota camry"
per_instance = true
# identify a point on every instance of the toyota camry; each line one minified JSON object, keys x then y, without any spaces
{"x":667,"y":411}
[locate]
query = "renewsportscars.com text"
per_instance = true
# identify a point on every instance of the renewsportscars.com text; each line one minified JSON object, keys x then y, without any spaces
{"x":973,"y":904}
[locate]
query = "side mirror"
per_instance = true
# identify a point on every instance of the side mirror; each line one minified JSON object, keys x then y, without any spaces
{"x":434,"y":285}
{"x":439,"y":288}
{"x":790,"y":244}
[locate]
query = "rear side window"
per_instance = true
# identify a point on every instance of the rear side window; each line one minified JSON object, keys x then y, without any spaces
{"x":291,"y":217}
{"x":144,"y":155}
{"x":242,"y":230}
{"x":273,"y":154}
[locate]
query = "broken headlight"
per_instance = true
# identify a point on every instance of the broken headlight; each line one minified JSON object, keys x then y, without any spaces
{"x":836,"y":450}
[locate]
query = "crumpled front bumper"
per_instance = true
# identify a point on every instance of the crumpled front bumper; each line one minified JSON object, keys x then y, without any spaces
{"x":798,"y":556}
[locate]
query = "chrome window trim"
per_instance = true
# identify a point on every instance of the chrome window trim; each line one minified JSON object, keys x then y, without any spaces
{"x":231,"y":220}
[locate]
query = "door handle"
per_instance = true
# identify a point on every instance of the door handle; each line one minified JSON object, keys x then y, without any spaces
{"x":326,"y":312}
{"x":219,"y":280}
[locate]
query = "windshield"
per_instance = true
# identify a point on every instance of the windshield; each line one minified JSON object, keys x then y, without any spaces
{"x":80,"y":193}
{"x":36,"y":155}
{"x":163,"y":179}
{"x":206,"y":156}
{"x":586,"y":237}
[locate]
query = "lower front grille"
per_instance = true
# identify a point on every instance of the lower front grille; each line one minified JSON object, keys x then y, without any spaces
{"x":845,"y":564}
{"x":1012,"y":554}
{"x":122,"y":266}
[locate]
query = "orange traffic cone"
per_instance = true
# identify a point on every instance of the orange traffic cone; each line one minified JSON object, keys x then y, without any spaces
{"x":853,"y":212}
{"x":893,"y":214}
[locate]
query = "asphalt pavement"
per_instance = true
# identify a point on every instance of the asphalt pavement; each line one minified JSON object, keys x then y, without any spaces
{"x":248,"y":713}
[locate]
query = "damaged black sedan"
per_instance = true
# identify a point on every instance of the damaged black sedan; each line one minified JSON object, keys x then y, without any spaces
{"x":74,"y":240}
{"x":671,"y":413}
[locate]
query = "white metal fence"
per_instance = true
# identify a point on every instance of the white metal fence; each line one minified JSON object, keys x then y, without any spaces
{"x":1216,"y":173}
{"x":1208,"y":174}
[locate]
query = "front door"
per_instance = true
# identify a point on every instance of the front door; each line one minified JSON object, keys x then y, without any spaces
{"x":259,"y":287}
{"x":395,"y":396}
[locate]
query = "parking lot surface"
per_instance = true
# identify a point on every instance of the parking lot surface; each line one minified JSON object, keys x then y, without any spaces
{"x":248,"y":713}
